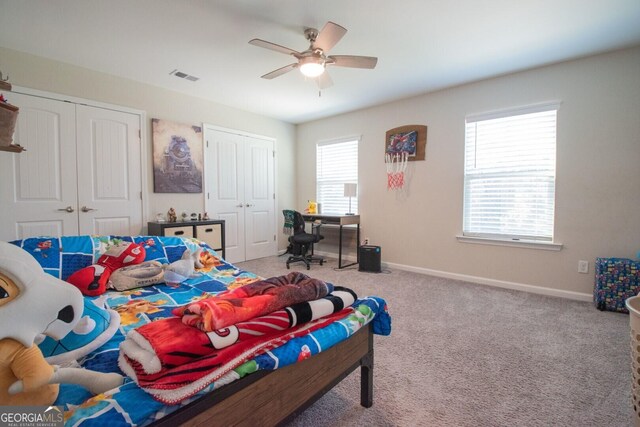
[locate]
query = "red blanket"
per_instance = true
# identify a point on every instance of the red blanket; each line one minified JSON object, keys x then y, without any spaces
{"x":252,"y":300}
{"x":189,"y":378}
{"x":167,"y":343}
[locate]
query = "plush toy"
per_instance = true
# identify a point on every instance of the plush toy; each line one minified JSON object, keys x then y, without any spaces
{"x":181,"y":270}
{"x":98,"y":324}
{"x":32,"y":304}
{"x":92,"y":280}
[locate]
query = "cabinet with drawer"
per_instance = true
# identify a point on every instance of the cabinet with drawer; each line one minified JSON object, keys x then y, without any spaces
{"x":211,"y":232}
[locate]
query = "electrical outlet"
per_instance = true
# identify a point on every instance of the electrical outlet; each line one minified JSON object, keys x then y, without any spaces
{"x":583,"y":266}
{"x":366,"y":241}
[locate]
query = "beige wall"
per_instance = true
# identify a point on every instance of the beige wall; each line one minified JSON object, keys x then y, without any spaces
{"x":597,"y":196}
{"x":598,"y":172}
{"x":39,"y":73}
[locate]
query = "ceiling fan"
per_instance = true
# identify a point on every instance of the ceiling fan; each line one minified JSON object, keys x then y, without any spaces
{"x":313,"y":61}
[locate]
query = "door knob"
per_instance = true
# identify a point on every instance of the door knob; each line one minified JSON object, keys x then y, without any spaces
{"x":67,"y":209}
{"x":86,"y":209}
{"x":248,"y":205}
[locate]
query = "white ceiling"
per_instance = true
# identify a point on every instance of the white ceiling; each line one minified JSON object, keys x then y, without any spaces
{"x":422,"y":45}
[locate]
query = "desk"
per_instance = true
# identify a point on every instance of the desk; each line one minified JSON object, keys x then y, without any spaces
{"x":340,"y":220}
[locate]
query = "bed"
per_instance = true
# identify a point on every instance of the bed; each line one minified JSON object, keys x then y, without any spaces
{"x":268,"y":387}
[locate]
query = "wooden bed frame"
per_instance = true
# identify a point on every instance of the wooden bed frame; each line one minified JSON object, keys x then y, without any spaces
{"x":270,"y":398}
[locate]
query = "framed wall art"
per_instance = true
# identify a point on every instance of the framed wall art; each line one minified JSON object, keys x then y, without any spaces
{"x":410,"y":139}
{"x":177,"y":157}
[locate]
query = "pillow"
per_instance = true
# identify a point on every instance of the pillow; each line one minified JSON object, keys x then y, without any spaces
{"x":136,"y":276}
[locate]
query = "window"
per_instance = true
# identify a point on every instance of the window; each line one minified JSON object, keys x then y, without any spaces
{"x":509,"y":174}
{"x":336,"y":164}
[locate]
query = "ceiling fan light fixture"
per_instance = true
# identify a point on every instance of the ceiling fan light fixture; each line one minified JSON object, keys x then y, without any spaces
{"x":311,"y":67}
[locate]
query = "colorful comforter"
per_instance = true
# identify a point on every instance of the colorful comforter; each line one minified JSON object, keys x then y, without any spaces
{"x":132,"y":405}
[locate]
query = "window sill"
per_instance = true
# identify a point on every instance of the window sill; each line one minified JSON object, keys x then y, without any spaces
{"x":528,"y":244}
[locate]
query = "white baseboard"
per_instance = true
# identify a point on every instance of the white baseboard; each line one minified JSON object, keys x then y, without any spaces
{"x":579,"y":296}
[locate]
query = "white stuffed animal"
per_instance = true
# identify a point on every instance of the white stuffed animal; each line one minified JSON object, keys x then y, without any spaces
{"x":34,"y":303}
{"x":185,"y":267}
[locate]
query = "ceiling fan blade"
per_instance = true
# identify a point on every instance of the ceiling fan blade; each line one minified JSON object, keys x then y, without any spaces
{"x":353,"y":61}
{"x":324,"y":80}
{"x":280,"y":71}
{"x":330,"y":34}
{"x":272,"y":46}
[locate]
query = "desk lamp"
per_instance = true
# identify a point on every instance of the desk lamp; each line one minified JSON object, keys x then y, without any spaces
{"x":350,"y":190}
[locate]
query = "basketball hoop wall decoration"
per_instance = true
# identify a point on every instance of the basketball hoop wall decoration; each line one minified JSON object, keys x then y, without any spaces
{"x":402,"y":145}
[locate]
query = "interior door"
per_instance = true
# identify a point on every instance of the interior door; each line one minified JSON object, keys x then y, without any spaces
{"x":81,"y":173}
{"x":109,"y":175}
{"x":225,"y":188}
{"x":259,"y":198}
{"x":240,"y":190}
{"x":38,"y":190}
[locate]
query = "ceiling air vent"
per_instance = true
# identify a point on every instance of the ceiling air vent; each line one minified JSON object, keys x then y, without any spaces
{"x":184,"y":76}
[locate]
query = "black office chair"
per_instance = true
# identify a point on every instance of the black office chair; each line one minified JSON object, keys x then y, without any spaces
{"x":300,"y":241}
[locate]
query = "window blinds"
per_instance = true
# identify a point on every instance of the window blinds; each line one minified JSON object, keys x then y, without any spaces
{"x":509,"y":178}
{"x":336,"y":164}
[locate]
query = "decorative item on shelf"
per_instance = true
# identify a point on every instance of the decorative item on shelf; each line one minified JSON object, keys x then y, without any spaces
{"x":194,"y":216}
{"x":8,"y":119}
{"x":205,"y":217}
{"x":350,"y":190}
{"x":184,"y":216}
{"x":172,"y":215}
{"x":4,"y":83}
{"x":160,"y":218}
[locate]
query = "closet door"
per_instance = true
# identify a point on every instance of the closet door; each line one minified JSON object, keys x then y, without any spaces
{"x":81,"y":173}
{"x":109,"y":176}
{"x":240,"y":189}
{"x":38,"y":191}
{"x":225,"y":188}
{"x":259,"y":198}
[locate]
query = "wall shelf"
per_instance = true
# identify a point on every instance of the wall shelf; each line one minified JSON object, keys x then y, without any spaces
{"x":12,"y":148}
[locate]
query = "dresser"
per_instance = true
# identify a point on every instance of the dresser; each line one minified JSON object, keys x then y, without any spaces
{"x":211,"y":232}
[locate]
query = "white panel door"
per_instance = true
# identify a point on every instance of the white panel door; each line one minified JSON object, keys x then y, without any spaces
{"x":240,"y":190}
{"x":259,"y":199}
{"x":81,"y":173}
{"x":225,"y":189}
{"x":109,"y":181}
{"x":38,"y":190}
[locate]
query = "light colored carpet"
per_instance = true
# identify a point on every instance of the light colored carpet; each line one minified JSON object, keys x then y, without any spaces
{"x":463,"y":354}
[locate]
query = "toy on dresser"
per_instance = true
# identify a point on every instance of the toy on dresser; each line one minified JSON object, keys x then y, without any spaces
{"x":172,"y":215}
